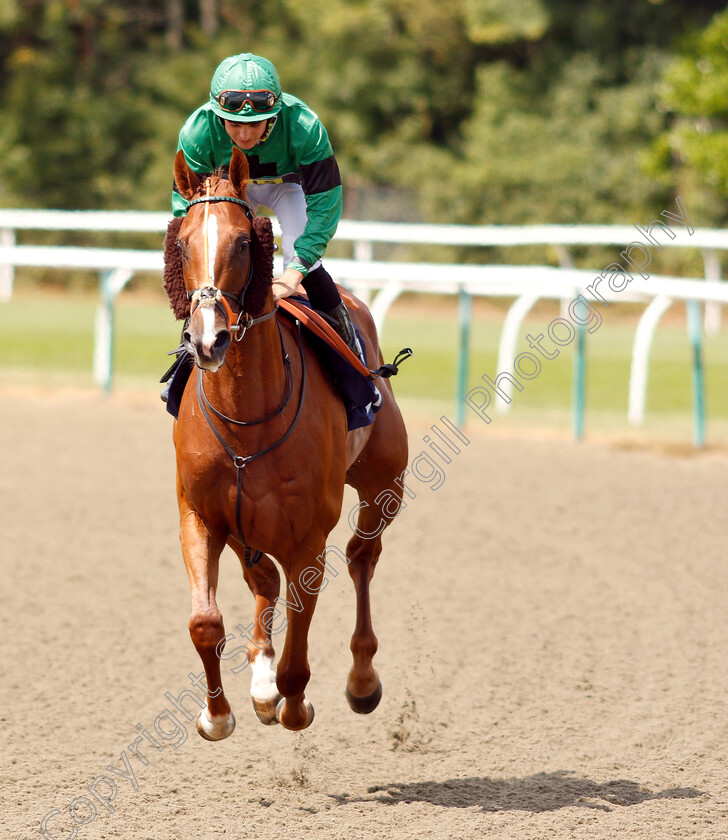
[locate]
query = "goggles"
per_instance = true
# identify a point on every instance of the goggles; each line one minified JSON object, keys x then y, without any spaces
{"x":234,"y":100}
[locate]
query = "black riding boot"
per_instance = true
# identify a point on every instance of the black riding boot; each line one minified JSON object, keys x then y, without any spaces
{"x":325,"y":297}
{"x":344,"y":327}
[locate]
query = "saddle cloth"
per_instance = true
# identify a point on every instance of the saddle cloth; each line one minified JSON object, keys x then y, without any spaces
{"x":361,"y":398}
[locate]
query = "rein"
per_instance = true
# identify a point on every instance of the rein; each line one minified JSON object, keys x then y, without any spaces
{"x":209,"y":295}
{"x":242,"y":461}
{"x":281,"y":407}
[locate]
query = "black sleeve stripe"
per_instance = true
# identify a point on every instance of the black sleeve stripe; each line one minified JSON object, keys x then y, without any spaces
{"x":320,"y":176}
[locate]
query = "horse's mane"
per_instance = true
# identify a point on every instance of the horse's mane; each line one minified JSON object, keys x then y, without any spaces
{"x":262,"y":249}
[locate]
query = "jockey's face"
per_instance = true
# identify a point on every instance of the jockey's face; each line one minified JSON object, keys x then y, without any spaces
{"x":245,"y":134}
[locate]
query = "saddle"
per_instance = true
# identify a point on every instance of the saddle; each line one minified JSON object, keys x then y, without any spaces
{"x":352,"y":378}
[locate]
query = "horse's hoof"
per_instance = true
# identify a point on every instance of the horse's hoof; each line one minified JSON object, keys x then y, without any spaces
{"x":364,"y":705}
{"x":266,"y":711}
{"x":308,"y":707}
{"x":215,"y":728}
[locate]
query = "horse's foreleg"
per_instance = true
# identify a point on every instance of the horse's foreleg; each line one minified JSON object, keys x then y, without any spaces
{"x":294,"y":711}
{"x":201,"y":552}
{"x":264,"y":582}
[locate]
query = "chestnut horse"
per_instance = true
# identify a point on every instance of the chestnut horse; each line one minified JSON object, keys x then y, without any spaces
{"x":263,"y":454}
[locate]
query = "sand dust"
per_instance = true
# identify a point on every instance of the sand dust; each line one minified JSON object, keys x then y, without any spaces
{"x":553,"y":649}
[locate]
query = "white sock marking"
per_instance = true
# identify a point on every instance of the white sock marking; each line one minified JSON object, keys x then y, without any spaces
{"x":263,"y":682}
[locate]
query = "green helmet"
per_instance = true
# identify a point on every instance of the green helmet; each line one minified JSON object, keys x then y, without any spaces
{"x":245,"y":73}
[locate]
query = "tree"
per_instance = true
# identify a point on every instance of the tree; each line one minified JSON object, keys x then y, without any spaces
{"x":467,"y":111}
{"x":558,"y":127}
{"x":73,"y":131}
{"x":693,"y":150}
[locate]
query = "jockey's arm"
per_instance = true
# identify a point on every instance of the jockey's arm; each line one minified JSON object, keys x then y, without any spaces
{"x":287,"y":284}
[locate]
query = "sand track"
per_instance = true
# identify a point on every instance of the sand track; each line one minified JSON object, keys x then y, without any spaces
{"x":553,"y":648}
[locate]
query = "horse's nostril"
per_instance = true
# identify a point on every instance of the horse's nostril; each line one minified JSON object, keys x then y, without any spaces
{"x":222,"y":341}
{"x":186,"y":337}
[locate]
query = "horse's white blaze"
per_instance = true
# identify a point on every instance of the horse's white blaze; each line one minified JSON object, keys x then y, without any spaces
{"x":263,"y":682}
{"x":211,"y":234}
{"x":208,"y":327}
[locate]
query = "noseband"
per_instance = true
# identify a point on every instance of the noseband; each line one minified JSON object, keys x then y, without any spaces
{"x":209,"y":295}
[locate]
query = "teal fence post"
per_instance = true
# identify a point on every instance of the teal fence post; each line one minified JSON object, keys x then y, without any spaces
{"x":695,"y":334}
{"x":111,"y":283}
{"x":465,"y":314}
{"x":104,"y":334}
{"x":579,"y":383}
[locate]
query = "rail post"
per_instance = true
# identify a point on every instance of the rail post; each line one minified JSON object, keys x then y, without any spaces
{"x":696,"y":341}
{"x":579,"y":384}
{"x":110,"y":283}
{"x":7,"y":270}
{"x":465,"y":316}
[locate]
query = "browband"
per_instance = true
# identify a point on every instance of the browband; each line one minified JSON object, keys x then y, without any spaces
{"x":213,"y":199}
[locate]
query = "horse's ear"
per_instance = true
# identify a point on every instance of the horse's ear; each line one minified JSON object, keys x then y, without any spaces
{"x":187,"y":181}
{"x":239,"y":172}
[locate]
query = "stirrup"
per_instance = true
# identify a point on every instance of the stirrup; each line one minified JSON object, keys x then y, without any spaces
{"x":344,"y":327}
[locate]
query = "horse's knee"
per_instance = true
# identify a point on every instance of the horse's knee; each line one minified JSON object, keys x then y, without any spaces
{"x":206,"y":629}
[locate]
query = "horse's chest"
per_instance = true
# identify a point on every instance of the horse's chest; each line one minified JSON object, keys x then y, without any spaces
{"x":210,"y":479}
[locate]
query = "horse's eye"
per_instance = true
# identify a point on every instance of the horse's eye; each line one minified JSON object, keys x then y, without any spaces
{"x":243,"y":243}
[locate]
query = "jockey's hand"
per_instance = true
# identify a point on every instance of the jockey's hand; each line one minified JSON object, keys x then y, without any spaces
{"x":287,"y":284}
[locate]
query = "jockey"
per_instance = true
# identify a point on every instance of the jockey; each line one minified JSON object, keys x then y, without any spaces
{"x":293,"y":172}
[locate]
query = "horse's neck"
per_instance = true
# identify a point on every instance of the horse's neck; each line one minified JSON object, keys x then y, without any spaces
{"x":253,"y":376}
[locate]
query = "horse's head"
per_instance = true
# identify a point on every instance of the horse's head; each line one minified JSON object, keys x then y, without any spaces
{"x":215,"y":245}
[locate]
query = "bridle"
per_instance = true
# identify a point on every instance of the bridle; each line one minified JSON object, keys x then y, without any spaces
{"x":208,"y":294}
{"x":242,"y":461}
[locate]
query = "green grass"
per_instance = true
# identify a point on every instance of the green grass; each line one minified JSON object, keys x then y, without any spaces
{"x":54,"y":335}
{"x":431,"y":373}
{"x":432,"y":369}
{"x":49,"y":338}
